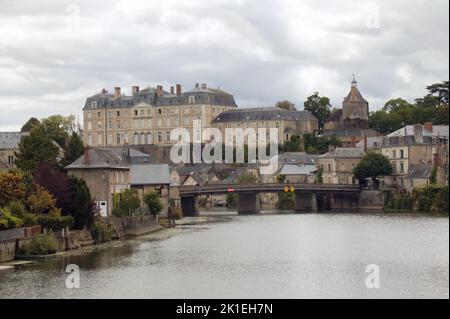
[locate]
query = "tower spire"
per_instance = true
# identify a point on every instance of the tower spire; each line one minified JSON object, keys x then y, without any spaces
{"x":354,"y":83}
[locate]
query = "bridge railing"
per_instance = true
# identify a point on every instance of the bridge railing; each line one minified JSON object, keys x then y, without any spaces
{"x":226,"y":188}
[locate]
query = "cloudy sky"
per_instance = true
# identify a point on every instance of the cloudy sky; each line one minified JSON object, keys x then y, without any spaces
{"x":53,"y":54}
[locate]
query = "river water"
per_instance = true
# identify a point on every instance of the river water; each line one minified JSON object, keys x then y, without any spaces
{"x":264,"y":256}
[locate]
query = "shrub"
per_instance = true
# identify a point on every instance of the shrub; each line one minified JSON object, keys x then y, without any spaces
{"x":232,"y":200}
{"x":12,"y":187}
{"x":125,"y":203}
{"x":43,"y":244}
{"x":153,"y":202}
{"x":17,"y":208}
{"x":29,"y":220}
{"x":41,"y":201}
{"x":55,"y":222}
{"x":101,"y":232}
{"x":286,"y":201}
{"x":8,"y":221}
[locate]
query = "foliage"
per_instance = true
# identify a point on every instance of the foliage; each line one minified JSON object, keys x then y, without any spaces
{"x":58,"y":128}
{"x":293,"y":145}
{"x":43,"y":244}
{"x":81,"y":206}
{"x":7,"y":220}
{"x":17,"y":208}
{"x":127,"y":203}
{"x":400,"y":202}
{"x":29,"y":220}
{"x":101,"y":232}
{"x":41,"y":201}
{"x":319,"y":145}
{"x":74,"y":150}
{"x":398,"y":112}
{"x":232,"y":200}
{"x":153,"y":202}
{"x":431,"y":198}
{"x":247,"y":178}
{"x":55,"y":221}
{"x":32,"y":122}
{"x":433,"y":176}
{"x":56,"y":183}
{"x":319,"y":107}
{"x":12,"y":187}
{"x":34,"y":149}
{"x":320,"y":176}
{"x":286,"y":105}
{"x":373,"y":165}
{"x":286,"y":201}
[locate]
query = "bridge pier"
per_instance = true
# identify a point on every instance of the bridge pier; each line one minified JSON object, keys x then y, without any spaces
{"x":248,"y":204}
{"x":343,"y":201}
{"x":189,"y":205}
{"x":306,"y":202}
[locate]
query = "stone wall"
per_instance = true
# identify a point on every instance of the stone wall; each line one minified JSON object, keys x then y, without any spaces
{"x":371,"y":200}
{"x":135,"y":225}
{"x":7,"y":250}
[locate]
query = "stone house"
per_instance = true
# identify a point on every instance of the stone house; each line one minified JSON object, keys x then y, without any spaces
{"x":415,"y":145}
{"x":9,"y":144}
{"x":338,"y":164}
{"x":419,"y":176}
{"x":286,"y":122}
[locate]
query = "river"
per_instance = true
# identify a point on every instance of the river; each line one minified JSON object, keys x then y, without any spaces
{"x":264,"y":256}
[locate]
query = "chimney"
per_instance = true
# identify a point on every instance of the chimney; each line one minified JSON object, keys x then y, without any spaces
{"x":365,"y":144}
{"x":86,"y":158}
{"x":178,"y":86}
{"x":428,"y":126}
{"x":135,"y":89}
{"x":203,"y":85}
{"x":172,"y":91}
{"x":331,"y":148}
{"x":117,"y":92}
{"x":103,"y":91}
{"x":353,"y":141}
{"x":197,"y":86}
{"x":418,"y":133}
{"x":159,"y":90}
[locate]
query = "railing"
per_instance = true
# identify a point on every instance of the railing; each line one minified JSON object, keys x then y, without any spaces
{"x":211,"y":188}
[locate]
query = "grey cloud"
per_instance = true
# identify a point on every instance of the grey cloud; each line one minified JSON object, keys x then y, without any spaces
{"x":54,"y":54}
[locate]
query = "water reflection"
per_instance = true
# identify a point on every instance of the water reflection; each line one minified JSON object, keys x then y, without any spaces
{"x":278,"y":256}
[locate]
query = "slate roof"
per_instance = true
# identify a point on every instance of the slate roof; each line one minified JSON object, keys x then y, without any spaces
{"x":149,"y":96}
{"x":344,"y":152}
{"x":101,"y":158}
{"x":151,"y":174}
{"x":297,"y":158}
{"x":408,"y":130}
{"x":10,"y":140}
{"x":354,"y":96}
{"x":262,"y":114}
{"x":350,"y":132}
{"x":290,"y":169}
{"x":372,"y":142}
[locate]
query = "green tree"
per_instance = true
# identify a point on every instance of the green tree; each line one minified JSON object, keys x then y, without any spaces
{"x":286,"y":201}
{"x":319,"y":107}
{"x":32,"y":122}
{"x":293,"y":145}
{"x":58,"y":128}
{"x":81,"y":206}
{"x":127,"y":202}
{"x":247,"y":178}
{"x":34,"y":149}
{"x":153,"y":202}
{"x":74,"y":150}
{"x":373,"y":165}
{"x":385,"y":122}
{"x":286,"y":105}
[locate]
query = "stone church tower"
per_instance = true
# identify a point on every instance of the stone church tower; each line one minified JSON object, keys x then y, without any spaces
{"x":355,"y":109}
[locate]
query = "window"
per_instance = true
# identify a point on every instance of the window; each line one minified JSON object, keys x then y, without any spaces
{"x":136,"y":139}
{"x":159,"y":123}
{"x":10,"y":159}
{"x":191,"y":99}
{"x":394,"y":154}
{"x":402,"y":155}
{"x":109,"y":113}
{"x":94,"y":104}
{"x":142,"y":138}
{"x":99,"y":139}
{"x":159,"y":137}
{"x":329,"y":167}
{"x":135,"y":112}
{"x":89,"y":139}
{"x":149,"y":112}
{"x":117,"y":124}
{"x":117,"y":113}
{"x":149,"y":123}
{"x":89,"y":125}
{"x":402,"y":167}
{"x":109,"y":124}
{"x":125,"y":124}
{"x":168,"y":136}
{"x":126,"y":138}
{"x":149,"y":138}
{"x":109,"y":139}
{"x":99,"y":114}
{"x":159,"y":111}
{"x":99,"y":125}
{"x":89,"y":115}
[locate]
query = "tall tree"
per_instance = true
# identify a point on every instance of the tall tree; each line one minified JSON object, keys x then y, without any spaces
{"x":373,"y":165}
{"x":30,"y":124}
{"x":74,"y":150}
{"x":81,"y":206}
{"x":286,"y":105}
{"x":34,"y":149}
{"x":439,"y":90}
{"x":58,"y":128}
{"x":319,"y":106}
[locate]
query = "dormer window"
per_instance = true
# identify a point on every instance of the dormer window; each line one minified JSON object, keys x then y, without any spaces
{"x":191,"y":99}
{"x":94,"y":104}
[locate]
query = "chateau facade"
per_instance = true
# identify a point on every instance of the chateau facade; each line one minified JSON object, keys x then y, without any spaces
{"x":148,"y":116}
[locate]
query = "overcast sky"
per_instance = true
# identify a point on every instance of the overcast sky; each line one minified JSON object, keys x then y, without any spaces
{"x":53,"y":54}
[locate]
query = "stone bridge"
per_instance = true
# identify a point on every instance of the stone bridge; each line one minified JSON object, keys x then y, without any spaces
{"x":308,"y":197}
